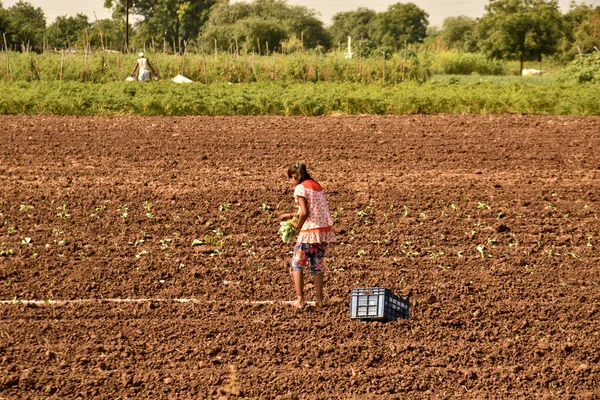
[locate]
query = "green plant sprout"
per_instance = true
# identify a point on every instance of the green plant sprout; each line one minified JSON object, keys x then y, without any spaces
{"x":405,"y":212}
{"x":11,"y":230}
{"x":6,"y":252}
{"x":196,"y":242}
{"x":483,"y":206}
{"x":140,"y":254}
{"x":480,"y":249}
{"x":225,"y":207}
{"x":25,"y":207}
{"x":124,"y":211}
{"x":214,"y":240}
{"x":361,"y":253}
{"x":265,"y":207}
{"x":516,"y":241}
{"x":570,"y":253}
{"x":164,"y":243}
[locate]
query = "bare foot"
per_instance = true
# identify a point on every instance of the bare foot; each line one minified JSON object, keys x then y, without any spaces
{"x":298,"y":304}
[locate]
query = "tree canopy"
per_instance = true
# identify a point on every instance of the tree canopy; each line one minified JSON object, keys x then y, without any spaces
{"x":457,"y":33}
{"x":401,"y":22}
{"x":582,"y":29}
{"x":520,"y":29}
{"x":251,"y":24}
{"x":24,"y":25}
{"x":169,"y":20}
{"x":357,"y":24}
{"x":66,"y":31}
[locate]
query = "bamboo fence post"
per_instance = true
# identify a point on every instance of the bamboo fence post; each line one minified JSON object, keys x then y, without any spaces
{"x":7,"y":57}
{"x":317,"y":62}
{"x":62,"y":63}
{"x":404,"y":61}
{"x":205,"y":74}
{"x":360,"y":57}
{"x":86,"y":46}
{"x":258,"y":45}
{"x":383,"y":65}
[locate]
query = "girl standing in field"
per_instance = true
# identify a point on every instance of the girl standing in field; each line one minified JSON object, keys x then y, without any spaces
{"x":315,"y":231}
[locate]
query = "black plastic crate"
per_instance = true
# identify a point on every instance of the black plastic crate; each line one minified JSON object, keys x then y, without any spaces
{"x":377,"y":304}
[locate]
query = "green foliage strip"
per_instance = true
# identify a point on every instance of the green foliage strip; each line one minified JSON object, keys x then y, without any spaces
{"x":167,"y":98}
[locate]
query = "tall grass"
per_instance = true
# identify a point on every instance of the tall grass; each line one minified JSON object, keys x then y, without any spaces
{"x":308,"y":66}
{"x":280,"y":98}
{"x":459,"y":63}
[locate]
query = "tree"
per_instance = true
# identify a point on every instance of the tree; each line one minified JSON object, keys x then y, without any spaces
{"x":520,"y":29}
{"x":352,"y":23}
{"x":171,"y":20}
{"x":582,"y":29}
{"x":457,"y":33}
{"x":111,"y":32}
{"x":400,"y":23}
{"x":25,"y":25}
{"x":66,"y":31}
{"x":3,"y":20}
{"x":262,"y":20}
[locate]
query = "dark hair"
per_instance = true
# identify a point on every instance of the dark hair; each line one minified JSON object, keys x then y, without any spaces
{"x":300,"y":170}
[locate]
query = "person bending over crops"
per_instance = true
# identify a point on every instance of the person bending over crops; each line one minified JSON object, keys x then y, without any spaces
{"x":315,"y":230}
{"x":143,"y":67}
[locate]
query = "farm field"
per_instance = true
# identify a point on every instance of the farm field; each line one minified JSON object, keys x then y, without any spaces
{"x":150,"y":247}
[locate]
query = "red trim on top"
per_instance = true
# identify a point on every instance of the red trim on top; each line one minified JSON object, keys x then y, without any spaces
{"x":310,"y":184}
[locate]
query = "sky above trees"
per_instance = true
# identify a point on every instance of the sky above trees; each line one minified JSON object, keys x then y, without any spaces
{"x":437,"y":9}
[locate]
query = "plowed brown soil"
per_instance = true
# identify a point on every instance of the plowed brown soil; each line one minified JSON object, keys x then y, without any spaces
{"x":108,"y":208}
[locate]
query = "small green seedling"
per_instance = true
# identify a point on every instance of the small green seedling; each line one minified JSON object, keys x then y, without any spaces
{"x":480,"y":249}
{"x":140,"y":254}
{"x":483,"y":206}
{"x":225,"y":207}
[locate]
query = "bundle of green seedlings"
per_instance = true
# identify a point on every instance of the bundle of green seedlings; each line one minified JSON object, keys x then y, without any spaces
{"x":287,"y":231}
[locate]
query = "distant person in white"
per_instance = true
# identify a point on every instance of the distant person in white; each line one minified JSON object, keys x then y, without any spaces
{"x":144,"y":68}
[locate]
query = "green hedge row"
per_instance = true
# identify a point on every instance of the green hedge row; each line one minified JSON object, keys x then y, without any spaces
{"x":168,"y":98}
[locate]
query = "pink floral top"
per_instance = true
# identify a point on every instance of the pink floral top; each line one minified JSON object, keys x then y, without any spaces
{"x":318,"y":227}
